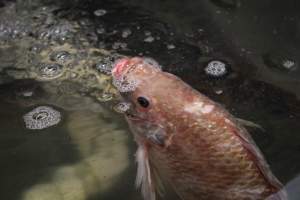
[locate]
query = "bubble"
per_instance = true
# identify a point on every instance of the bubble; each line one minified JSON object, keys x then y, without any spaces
{"x":126,"y":32}
{"x":48,"y":71}
{"x":27,"y":93}
{"x":149,"y":39}
{"x":124,"y":85}
{"x":288,"y":64}
{"x":41,"y":117}
{"x":60,"y":56}
{"x":100,"y":12}
{"x":105,"y":65}
{"x":280,"y":62}
{"x":216,"y":68}
{"x":119,"y":45}
{"x":100,"y":30}
{"x":122,"y":107}
{"x":104,"y":97}
{"x":171,"y":46}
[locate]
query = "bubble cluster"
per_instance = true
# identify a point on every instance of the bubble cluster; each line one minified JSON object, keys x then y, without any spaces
{"x":124,"y":85}
{"x":41,"y":117}
{"x":59,"y":32}
{"x":49,"y":71}
{"x":122,"y":107}
{"x":105,"y":65}
{"x":216,"y":68}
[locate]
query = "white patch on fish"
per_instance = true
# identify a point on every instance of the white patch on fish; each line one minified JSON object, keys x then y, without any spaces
{"x":143,"y":177}
{"x":207,"y":109}
{"x":199,"y":106}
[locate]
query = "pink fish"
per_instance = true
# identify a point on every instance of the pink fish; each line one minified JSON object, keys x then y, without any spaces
{"x":187,"y":141}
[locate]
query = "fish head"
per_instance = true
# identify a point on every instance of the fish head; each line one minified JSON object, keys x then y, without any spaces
{"x":155,"y":97}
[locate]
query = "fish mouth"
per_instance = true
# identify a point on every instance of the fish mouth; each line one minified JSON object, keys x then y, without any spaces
{"x":133,"y":117}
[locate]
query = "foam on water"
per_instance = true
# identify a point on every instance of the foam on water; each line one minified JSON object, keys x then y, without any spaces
{"x":41,"y":117}
{"x":122,"y":107}
{"x":125,"y":85}
{"x":216,"y":68}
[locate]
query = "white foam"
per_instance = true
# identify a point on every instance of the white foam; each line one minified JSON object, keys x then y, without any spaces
{"x":41,"y":117}
{"x":216,"y":68}
{"x":124,"y":85}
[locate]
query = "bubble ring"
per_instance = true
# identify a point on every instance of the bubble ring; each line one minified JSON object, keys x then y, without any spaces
{"x":41,"y":117}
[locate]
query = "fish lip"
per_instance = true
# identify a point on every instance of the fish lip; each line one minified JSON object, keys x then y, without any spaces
{"x":120,"y":67}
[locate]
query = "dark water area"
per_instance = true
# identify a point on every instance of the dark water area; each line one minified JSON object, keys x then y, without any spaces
{"x":89,"y":153}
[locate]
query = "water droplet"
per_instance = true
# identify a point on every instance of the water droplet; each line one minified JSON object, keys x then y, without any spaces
{"x":149,"y":39}
{"x":122,"y":107}
{"x":100,"y":12}
{"x":216,"y":68}
{"x":48,"y":71}
{"x":126,"y":32}
{"x":41,"y":117}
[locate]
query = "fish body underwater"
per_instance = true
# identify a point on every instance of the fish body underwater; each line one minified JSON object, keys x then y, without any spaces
{"x":187,"y":141}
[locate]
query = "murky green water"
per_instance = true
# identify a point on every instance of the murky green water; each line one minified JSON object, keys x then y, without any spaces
{"x":59,"y":55}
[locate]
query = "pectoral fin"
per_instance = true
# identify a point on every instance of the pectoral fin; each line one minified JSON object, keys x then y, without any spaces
{"x":147,"y":178}
{"x":249,"y":124}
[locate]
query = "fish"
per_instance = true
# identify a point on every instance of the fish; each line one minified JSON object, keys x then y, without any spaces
{"x":188,"y":142}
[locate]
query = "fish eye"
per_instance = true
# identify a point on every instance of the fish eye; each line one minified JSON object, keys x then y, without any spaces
{"x":143,"y":102}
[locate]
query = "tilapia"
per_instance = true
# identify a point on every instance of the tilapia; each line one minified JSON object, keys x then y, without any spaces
{"x":187,"y":141}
